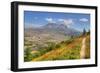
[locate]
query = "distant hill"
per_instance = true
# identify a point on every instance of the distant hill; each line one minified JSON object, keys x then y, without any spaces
{"x":55,"y":28}
{"x":62,"y":28}
{"x":51,"y":32}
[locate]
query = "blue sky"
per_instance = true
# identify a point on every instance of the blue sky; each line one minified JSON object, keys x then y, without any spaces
{"x":77,"y":21}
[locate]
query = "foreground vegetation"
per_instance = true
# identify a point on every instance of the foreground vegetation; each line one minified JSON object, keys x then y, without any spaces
{"x":65,"y":50}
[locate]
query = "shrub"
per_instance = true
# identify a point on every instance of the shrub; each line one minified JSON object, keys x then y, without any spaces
{"x":27,"y":54}
{"x":57,"y":46}
{"x":35,"y":55}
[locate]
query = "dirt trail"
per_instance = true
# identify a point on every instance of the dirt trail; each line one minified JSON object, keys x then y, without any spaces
{"x":82,"y":52}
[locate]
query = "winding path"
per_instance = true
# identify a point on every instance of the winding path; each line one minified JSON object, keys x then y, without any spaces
{"x":82,"y":52}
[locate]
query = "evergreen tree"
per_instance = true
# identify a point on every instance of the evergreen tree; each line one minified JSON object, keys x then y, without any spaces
{"x":88,"y":31}
{"x":84,"y":31}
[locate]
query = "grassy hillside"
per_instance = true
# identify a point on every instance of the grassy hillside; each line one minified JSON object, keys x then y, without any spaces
{"x":65,"y":50}
{"x":87,"y":51}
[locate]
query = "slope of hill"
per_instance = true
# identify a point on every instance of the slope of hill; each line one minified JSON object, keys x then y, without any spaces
{"x":52,"y":28}
{"x":61,"y":28}
{"x":52,"y":32}
{"x":68,"y":50}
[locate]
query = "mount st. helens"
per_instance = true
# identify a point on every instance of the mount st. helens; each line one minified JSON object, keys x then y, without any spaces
{"x":51,"y":32}
{"x":55,"y":41}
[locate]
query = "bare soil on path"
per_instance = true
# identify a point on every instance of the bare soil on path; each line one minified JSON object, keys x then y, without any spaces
{"x":83,"y":48}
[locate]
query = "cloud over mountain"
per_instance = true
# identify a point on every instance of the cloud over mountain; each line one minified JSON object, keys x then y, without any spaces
{"x":50,"y":20}
{"x":66,"y":22}
{"x":83,"y":20}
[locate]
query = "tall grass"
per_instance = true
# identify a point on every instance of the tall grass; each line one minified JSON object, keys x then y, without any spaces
{"x":65,"y":50}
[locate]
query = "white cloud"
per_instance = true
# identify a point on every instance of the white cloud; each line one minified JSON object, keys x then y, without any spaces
{"x":61,"y":20}
{"x":50,"y":20}
{"x":67,"y":22}
{"x":83,"y":19}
